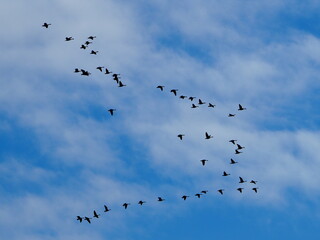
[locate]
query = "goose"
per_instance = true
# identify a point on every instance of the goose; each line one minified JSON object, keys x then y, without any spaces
{"x":241,"y":108}
{"x":211,"y":105}
{"x":174,"y":91}
{"x":253,"y":181}
{"x":225,"y":174}
{"x":204,"y":191}
{"x":87,"y":43}
{"x":221,"y":191}
{"x":255,"y":189}
{"x":69,"y":39}
{"x":191,"y":98}
{"x":180,"y":136}
{"x":233,"y":141}
{"x":83,"y":47}
{"x":207,"y":136}
{"x":231,"y":115}
{"x":111,"y":110}
{"x":200,"y":102}
{"x":241,"y":180}
{"x":91,"y":37}
{"x":160,"y":87}
{"x":194,"y":106}
{"x":240,"y":189}
{"x":183,"y":97}
{"x":203,"y":161}
{"x":125,"y":205}
{"x":198,"y":195}
{"x":94,"y":52}
{"x":95,"y":214}
{"x":46,"y":25}
{"x":239,"y":146}
{"x":232,"y":161}
{"x":184,"y":197}
{"x":121,"y":84}
{"x":99,"y":68}
{"x":160,"y":199}
{"x":106,"y":209}
{"x":141,"y":202}
{"x":87,"y":219}
{"x":237,"y":152}
{"x":79,"y":218}
{"x":107,"y":71}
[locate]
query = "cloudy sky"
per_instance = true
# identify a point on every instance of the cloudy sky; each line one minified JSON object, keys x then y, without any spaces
{"x":63,"y":155}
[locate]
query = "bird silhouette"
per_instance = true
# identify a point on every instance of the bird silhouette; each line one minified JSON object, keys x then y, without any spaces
{"x":241,"y":180}
{"x":241,"y":108}
{"x":237,"y":152}
{"x":183,"y":97}
{"x":84,"y":72}
{"x":225,"y":174}
{"x":83,"y":47}
{"x":174,"y":91}
{"x":207,"y":136}
{"x":221,"y":191}
{"x":232,"y":161}
{"x":94,"y":52}
{"x":99,"y":68}
{"x":211,"y":105}
{"x":107,"y":71}
{"x":141,"y":202}
{"x":239,"y":146}
{"x":198,"y":195}
{"x":87,"y":43}
{"x":46,"y":25}
{"x":240,"y":189}
{"x":253,"y":181}
{"x":106,"y":209}
{"x":231,"y":115}
{"x":191,"y":98}
{"x":121,"y":84}
{"x":160,"y":199}
{"x":87,"y":219}
{"x":200,"y":102}
{"x":79,"y":218}
{"x":125,"y":205}
{"x":95,"y":214}
{"x":91,"y":37}
{"x":69,"y":39}
{"x":203,"y":161}
{"x":76,"y":70}
{"x":116,"y":77}
{"x":111,"y":110}
{"x":255,"y":189}
{"x":194,"y":106}
{"x":180,"y":136}
{"x":184,"y":197}
{"x":160,"y":87}
{"x":204,"y":191}
{"x":233,"y":141}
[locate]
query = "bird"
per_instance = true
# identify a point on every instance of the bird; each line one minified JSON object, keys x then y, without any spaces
{"x":111,"y":110}
{"x":106,"y":209}
{"x":255,"y":189}
{"x":239,"y":146}
{"x":211,"y":105}
{"x":237,"y":152}
{"x":204,"y":191}
{"x":194,"y":106}
{"x":141,"y":202}
{"x":121,"y":84}
{"x":240,"y":189}
{"x":221,"y":191}
{"x":94,"y":52}
{"x":241,"y":108}
{"x":79,"y":218}
{"x":198,"y":195}
{"x":174,"y":91}
{"x":200,"y":102}
{"x":183,"y":97}
{"x":241,"y":180}
{"x":208,"y":136}
{"x":69,"y":39}
{"x":76,"y":70}
{"x":83,"y":47}
{"x":160,"y":87}
{"x":87,"y":43}
{"x":253,"y":181}
{"x":233,"y":141}
{"x":184,"y":197}
{"x":232,"y":161}
{"x":87,"y":219}
{"x":191,"y":98}
{"x":107,"y":71}
{"x":160,"y":199}
{"x":116,"y":77}
{"x":91,"y":37}
{"x":84,"y":72}
{"x":99,"y":68}
{"x":231,"y":115}
{"x":125,"y":205}
{"x":46,"y":25}
{"x":225,"y":174}
{"x":180,"y":136}
{"x":95,"y":214}
{"x":203,"y":161}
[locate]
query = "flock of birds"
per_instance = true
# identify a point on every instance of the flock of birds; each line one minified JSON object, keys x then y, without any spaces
{"x":207,"y":136}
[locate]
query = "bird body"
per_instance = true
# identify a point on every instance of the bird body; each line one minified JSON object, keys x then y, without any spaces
{"x":184,"y":197}
{"x":203,"y":161}
{"x":141,"y":202}
{"x":79,"y":218}
{"x":174,"y":91}
{"x":46,"y":25}
{"x":207,"y":136}
{"x":225,"y":174}
{"x":241,"y":108}
{"x":240,"y":189}
{"x":180,"y":136}
{"x":106,"y":209}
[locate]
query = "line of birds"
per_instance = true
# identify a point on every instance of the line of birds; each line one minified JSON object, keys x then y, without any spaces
{"x":116,"y":77}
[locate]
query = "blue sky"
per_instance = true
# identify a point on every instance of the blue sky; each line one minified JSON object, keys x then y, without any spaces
{"x":63,"y":155}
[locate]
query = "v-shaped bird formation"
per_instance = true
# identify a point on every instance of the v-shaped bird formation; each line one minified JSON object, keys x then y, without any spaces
{"x":194,"y":104}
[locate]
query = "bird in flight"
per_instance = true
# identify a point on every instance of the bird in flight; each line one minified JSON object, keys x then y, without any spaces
{"x":208,"y":136}
{"x":160,"y":87}
{"x":183,"y":97}
{"x":180,"y":136}
{"x":184,"y":197}
{"x":121,"y":84}
{"x":76,"y":70}
{"x":116,"y":77}
{"x":125,"y":205}
{"x":95,"y":214}
{"x":141,"y":202}
{"x":46,"y":25}
{"x":69,"y":39}
{"x":107,"y":71}
{"x":225,"y":174}
{"x":94,"y":52}
{"x":204,"y":191}
{"x":200,"y":102}
{"x":191,"y":98}
{"x":232,"y":161}
{"x":99,"y":68}
{"x":203,"y":161}
{"x":91,"y":37}
{"x":79,"y":218}
{"x":87,"y":219}
{"x":160,"y":199}
{"x":233,"y":141}
{"x":194,"y":106}
{"x":253,"y":181}
{"x":174,"y":91}
{"x":241,"y":180}
{"x":84,"y":72}
{"x":239,"y":146}
{"x":240,"y":189}
{"x":83,"y":47}
{"x":211,"y":105}
{"x":111,"y":110}
{"x":198,"y":195}
{"x":221,"y":191}
{"x":255,"y":189}
{"x":106,"y":209}
{"x":231,"y":115}
{"x":87,"y":43}
{"x":237,"y":151}
{"x":241,"y":108}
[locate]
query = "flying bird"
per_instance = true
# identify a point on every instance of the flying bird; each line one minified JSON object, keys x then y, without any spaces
{"x":111,"y":110}
{"x":106,"y":209}
{"x":84,"y":72}
{"x":174,"y":91}
{"x":231,"y":115}
{"x":241,"y":180}
{"x":200,"y":102}
{"x":211,"y":105}
{"x":160,"y":199}
{"x":99,"y":68}
{"x":94,"y":52}
{"x":87,"y":219}
{"x":95,"y":214}
{"x":253,"y":181}
{"x":76,"y":70}
{"x":79,"y":218}
{"x":239,"y":146}
{"x":107,"y":71}
{"x":232,"y":161}
{"x":46,"y":25}
{"x":180,"y":136}
{"x":221,"y":191}
{"x":208,"y":136}
{"x":160,"y":87}
{"x":233,"y":141}
{"x":204,"y":191}
{"x":83,"y":47}
{"x":91,"y":37}
{"x":194,"y":106}
{"x":125,"y":205}
{"x":121,"y":84}
{"x":203,"y":161}
{"x":198,"y":195}
{"x":225,"y":174}
{"x":237,"y":152}
{"x":141,"y":202}
{"x":255,"y":189}
{"x":240,"y":189}
{"x":87,"y":43}
{"x":241,"y":108}
{"x":183,"y":97}
{"x":191,"y":98}
{"x":184,"y":197}
{"x":69,"y":39}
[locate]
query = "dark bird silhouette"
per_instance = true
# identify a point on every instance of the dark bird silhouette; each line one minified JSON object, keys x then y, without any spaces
{"x":46,"y":25}
{"x":241,"y":108}
{"x":95,"y":214}
{"x":225,"y":174}
{"x":233,"y":141}
{"x":180,"y":136}
{"x":232,"y":161}
{"x":231,"y":115}
{"x":160,"y":199}
{"x":83,"y":47}
{"x":203,"y":161}
{"x":76,"y":70}
{"x":107,"y":71}
{"x":125,"y":205}
{"x":200,"y":102}
{"x":240,"y":189}
{"x":160,"y":87}
{"x":91,"y":37}
{"x":121,"y":84}
{"x":99,"y":68}
{"x":111,"y":110}
{"x":241,"y":180}
{"x":184,"y":197}
{"x":94,"y":52}
{"x":87,"y":219}
{"x":87,"y":43}
{"x":183,"y":97}
{"x":69,"y":39}
{"x":174,"y":91}
{"x":198,"y":195}
{"x":255,"y":189}
{"x":221,"y":191}
{"x":79,"y":218}
{"x":141,"y":202}
{"x":106,"y":209}
{"x":253,"y":181}
{"x":211,"y":105}
{"x":237,"y":152}
{"x":84,"y":72}
{"x":208,"y":136}
{"x":194,"y":106}
{"x":191,"y":98}
{"x":116,"y":77}
{"x":204,"y":191}
{"x":239,"y":146}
